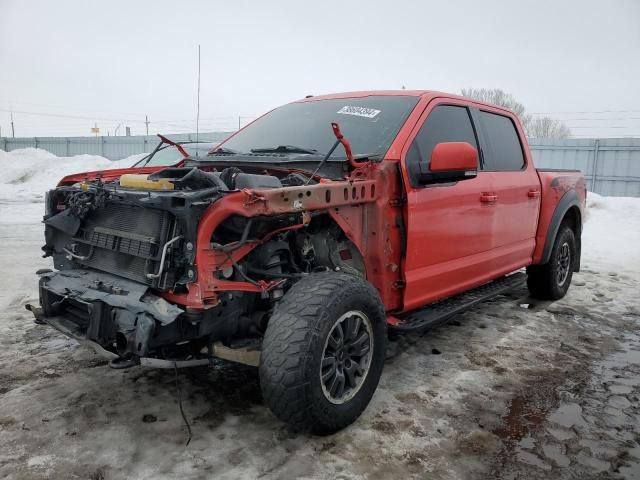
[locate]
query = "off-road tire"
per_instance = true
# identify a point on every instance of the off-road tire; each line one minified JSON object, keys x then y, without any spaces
{"x":295,"y":342}
{"x":544,"y":280}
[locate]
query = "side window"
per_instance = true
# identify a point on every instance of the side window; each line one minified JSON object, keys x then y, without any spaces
{"x":503,"y":149}
{"x":445,"y":123}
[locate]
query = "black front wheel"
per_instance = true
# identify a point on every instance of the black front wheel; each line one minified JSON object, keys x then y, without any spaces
{"x":323,"y":352}
{"x":346,"y":356}
{"x":551,"y":280}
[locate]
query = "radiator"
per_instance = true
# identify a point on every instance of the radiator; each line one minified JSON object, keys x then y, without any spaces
{"x":125,"y":240}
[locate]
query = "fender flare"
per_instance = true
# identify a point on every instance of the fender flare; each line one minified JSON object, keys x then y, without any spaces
{"x":569,"y":200}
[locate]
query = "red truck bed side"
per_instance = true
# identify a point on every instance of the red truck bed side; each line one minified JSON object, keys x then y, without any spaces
{"x":564,"y":196}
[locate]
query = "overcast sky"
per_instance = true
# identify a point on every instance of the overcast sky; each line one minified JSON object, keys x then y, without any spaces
{"x":67,"y":64}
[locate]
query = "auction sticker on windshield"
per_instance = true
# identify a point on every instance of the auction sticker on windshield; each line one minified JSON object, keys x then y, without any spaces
{"x":359,"y":111}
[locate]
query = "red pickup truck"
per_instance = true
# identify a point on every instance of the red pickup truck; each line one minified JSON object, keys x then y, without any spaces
{"x":304,"y":239}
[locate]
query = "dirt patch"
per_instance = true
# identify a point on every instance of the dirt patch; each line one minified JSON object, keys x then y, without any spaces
{"x":411,"y":398}
{"x":384,"y":426}
{"x":479,"y":442}
{"x":5,"y":421}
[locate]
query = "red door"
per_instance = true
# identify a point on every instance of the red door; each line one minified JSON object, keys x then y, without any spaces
{"x":516,"y":186}
{"x":450,"y":227}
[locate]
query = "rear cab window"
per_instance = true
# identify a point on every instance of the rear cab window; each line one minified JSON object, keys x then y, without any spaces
{"x":502,"y":150}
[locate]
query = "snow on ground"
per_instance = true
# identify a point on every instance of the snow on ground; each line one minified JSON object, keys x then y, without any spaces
{"x":514,"y":388}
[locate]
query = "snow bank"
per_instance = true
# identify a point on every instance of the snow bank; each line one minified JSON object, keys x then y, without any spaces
{"x":28,"y":173}
{"x":611,"y":236}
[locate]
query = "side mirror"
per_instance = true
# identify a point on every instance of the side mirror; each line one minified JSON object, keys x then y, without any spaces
{"x":451,"y":162}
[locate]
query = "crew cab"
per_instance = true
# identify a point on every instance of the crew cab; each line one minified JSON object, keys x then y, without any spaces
{"x":303,"y":240}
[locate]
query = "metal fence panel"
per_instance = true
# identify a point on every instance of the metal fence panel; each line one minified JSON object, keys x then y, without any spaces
{"x":611,"y":165}
{"x":577,"y":154}
{"x":90,"y":146}
{"x":113,"y":148}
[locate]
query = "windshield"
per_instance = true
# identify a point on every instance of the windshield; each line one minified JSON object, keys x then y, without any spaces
{"x":170,"y":155}
{"x":369,"y":123}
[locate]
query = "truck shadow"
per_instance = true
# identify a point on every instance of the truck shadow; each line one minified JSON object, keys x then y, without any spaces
{"x":222,"y":389}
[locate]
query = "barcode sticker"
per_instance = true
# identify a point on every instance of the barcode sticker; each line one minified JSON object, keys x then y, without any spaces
{"x":359,"y":111}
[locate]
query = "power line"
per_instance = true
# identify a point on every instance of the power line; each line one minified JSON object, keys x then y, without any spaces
{"x":585,"y":111}
{"x":65,"y":108}
{"x":605,"y":135}
{"x":84,"y":114}
{"x":586,"y":119}
{"x":229,"y":119}
{"x":61,"y":115}
{"x":605,"y":126}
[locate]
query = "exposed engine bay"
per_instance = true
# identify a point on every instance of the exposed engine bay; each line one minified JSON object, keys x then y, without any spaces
{"x":123,"y":246}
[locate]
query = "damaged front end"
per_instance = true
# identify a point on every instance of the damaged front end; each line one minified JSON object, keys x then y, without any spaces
{"x":116,"y":249}
{"x":119,"y":315}
{"x":172,"y":266}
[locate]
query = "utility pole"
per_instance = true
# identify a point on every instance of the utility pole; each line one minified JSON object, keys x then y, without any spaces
{"x":198,"y":100}
{"x":239,"y":122}
{"x":146,"y":122}
{"x":13,"y":132}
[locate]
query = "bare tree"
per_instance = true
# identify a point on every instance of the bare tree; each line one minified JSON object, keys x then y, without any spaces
{"x":546,"y":127}
{"x":537,"y":127}
{"x":497,"y":97}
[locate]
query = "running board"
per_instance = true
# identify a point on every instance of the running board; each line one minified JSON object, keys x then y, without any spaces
{"x":439,"y":312}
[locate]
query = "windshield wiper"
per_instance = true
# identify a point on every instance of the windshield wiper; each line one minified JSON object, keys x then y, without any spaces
{"x":223,"y":151}
{"x":147,"y":159}
{"x":285,"y":149}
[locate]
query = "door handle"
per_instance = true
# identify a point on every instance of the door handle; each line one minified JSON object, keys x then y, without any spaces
{"x":533,"y":193}
{"x":488,"y":198}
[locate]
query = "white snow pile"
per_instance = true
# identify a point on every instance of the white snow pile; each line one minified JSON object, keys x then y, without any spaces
{"x":28,"y":173}
{"x":611,"y":234}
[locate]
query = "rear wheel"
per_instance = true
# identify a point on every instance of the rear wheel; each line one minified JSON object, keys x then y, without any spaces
{"x":323,"y":352}
{"x":551,"y":280}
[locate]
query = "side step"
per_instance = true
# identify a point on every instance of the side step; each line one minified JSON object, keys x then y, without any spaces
{"x":439,"y":312}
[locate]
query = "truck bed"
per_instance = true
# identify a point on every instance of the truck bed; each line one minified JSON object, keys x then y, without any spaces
{"x":557,"y":186}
